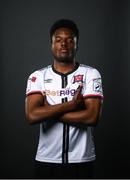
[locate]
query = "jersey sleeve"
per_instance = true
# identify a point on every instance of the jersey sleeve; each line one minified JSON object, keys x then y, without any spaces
{"x":93,"y":84}
{"x":34,"y":83}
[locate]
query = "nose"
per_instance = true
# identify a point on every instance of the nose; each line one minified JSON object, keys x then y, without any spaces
{"x":63,"y":43}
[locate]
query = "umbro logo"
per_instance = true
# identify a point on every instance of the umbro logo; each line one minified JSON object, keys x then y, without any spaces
{"x":47,"y":80}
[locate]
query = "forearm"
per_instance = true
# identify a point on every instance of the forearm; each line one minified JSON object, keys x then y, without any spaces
{"x":81,"y":117}
{"x":41,"y":113}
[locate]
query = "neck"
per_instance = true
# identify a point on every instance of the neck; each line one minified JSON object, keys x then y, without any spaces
{"x":64,"y":67}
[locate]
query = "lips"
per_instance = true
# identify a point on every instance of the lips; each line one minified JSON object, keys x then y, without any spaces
{"x":64,"y":50}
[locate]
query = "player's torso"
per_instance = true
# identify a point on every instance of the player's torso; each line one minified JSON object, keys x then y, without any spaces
{"x":59,"y":141}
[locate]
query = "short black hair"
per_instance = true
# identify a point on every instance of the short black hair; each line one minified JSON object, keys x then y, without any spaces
{"x":64,"y":23}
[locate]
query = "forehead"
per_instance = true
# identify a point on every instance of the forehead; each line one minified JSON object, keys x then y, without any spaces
{"x":63,"y":31}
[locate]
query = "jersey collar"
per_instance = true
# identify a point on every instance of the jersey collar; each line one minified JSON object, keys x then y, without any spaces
{"x":62,"y":74}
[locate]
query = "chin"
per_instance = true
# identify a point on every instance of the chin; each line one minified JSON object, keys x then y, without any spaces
{"x":64,"y":59}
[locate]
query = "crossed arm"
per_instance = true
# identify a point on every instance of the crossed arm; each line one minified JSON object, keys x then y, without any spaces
{"x":78,"y":110}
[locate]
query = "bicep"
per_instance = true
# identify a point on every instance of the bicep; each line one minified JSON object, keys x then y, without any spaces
{"x":33,"y":101}
{"x":93,"y":105}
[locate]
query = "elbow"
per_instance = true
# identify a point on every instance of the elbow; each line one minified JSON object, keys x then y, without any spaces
{"x":92,"y":121}
{"x":30,"y":118}
{"x":95,"y":120}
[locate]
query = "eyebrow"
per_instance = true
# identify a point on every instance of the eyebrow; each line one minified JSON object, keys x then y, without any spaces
{"x":58,"y":36}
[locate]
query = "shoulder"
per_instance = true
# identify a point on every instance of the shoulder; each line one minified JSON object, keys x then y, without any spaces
{"x":87,"y":68}
{"x":83,"y":66}
{"x":45,"y":68}
{"x":90,"y":72}
{"x":41,"y":71}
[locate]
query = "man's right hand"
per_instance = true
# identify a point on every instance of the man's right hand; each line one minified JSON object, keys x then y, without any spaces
{"x":78,"y":97}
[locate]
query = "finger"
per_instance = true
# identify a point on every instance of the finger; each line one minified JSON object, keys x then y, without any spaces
{"x":80,"y":88}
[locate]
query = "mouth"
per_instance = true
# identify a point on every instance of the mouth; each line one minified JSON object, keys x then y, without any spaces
{"x":64,"y":50}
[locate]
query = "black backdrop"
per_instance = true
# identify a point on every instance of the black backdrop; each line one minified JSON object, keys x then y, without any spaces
{"x":104,"y":44}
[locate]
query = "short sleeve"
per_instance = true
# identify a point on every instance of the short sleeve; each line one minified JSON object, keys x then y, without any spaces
{"x":34,"y":83}
{"x":93,"y":84}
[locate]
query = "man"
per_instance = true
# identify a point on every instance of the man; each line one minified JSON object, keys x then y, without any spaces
{"x":66,"y":99}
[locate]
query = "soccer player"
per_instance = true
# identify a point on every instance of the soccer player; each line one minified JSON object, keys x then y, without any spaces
{"x":65,"y":98}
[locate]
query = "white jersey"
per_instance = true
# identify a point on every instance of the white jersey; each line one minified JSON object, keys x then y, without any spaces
{"x":61,"y":142}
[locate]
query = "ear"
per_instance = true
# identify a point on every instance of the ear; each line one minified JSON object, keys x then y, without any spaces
{"x":51,"y":44}
{"x":76,"y":47}
{"x":76,"y":44}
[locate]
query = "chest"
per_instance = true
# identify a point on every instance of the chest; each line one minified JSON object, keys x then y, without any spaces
{"x":63,"y":84}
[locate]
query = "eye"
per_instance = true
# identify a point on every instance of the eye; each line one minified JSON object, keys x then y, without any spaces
{"x":57,"y":39}
{"x":70,"y":40}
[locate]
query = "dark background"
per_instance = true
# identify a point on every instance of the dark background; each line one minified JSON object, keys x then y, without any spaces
{"x":104,"y":44}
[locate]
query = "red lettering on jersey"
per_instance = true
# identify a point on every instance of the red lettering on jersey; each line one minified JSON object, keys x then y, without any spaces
{"x":33,"y":79}
{"x":78,"y":78}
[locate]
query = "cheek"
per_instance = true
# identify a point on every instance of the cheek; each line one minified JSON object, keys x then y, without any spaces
{"x":52,"y":46}
{"x":54,"y":49}
{"x":73,"y":47}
